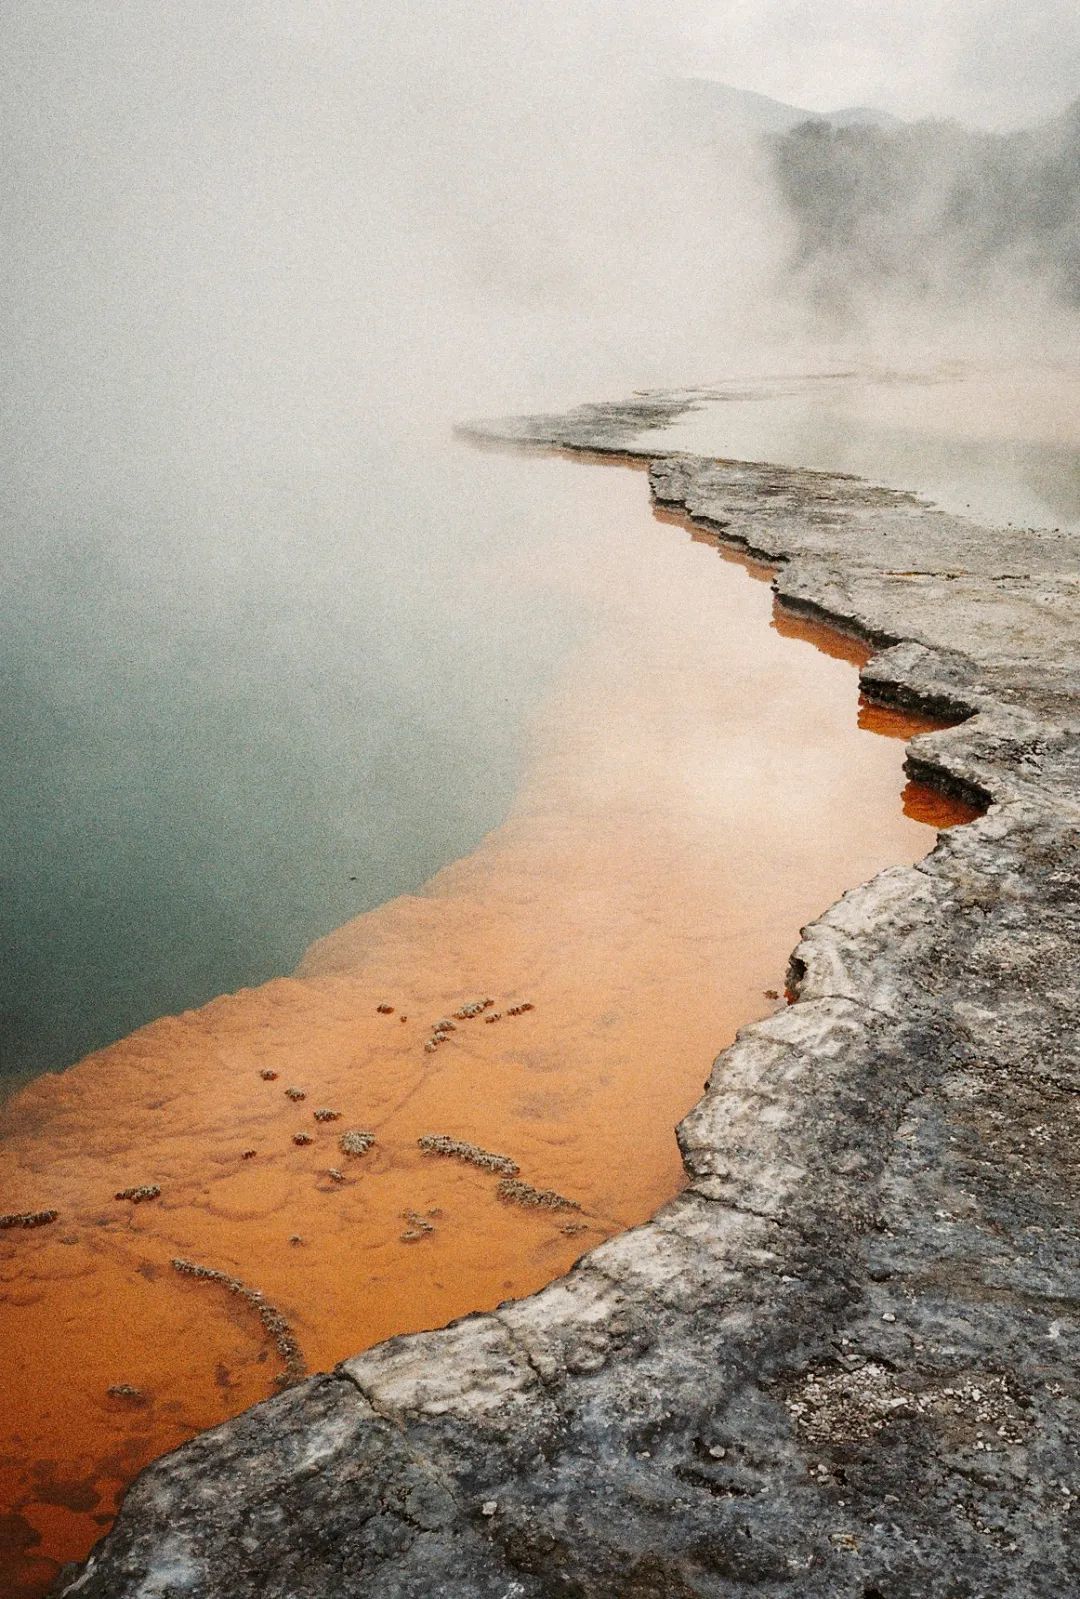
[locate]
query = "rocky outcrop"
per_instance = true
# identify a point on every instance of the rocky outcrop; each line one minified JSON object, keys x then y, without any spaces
{"x":843,"y":1361}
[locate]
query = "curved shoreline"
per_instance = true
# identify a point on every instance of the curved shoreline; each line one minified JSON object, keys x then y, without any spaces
{"x":840,"y":1361}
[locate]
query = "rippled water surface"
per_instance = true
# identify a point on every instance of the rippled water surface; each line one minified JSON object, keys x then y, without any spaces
{"x":684,"y":778}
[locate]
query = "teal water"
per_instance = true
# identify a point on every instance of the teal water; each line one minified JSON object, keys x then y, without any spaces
{"x":232,"y":724}
{"x":241,"y":712}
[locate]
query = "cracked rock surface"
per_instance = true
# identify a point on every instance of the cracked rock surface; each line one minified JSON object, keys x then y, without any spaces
{"x":843,"y":1362}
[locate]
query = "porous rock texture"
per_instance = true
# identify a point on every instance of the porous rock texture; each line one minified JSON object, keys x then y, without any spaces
{"x":844,"y":1361}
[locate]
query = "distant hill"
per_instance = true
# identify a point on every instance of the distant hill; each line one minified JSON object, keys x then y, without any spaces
{"x":861,"y":116}
{"x":933,"y":209}
{"x":743,"y":108}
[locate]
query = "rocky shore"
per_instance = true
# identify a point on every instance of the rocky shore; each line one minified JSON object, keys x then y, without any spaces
{"x":843,"y":1362}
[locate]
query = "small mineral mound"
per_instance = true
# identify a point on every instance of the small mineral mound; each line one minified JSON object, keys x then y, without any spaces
{"x":137,"y":1195}
{"x":419,"y":1226}
{"x":274,"y":1323}
{"x":473,"y":1008}
{"x":456,"y":1149}
{"x":28,"y":1218}
{"x":519,"y":1193}
{"x":355,"y":1142}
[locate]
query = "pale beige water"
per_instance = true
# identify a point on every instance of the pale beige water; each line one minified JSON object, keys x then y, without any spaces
{"x":998,"y":444}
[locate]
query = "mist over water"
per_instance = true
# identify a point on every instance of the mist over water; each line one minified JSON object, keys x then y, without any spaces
{"x":223,"y":749}
{"x":998,"y":445}
{"x":276,"y":648}
{"x":265,"y":665}
{"x":269,"y":637}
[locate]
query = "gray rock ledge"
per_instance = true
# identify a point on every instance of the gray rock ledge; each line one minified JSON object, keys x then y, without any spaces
{"x":844,"y":1361}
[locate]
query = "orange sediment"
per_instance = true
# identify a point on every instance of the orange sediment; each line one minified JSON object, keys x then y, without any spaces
{"x":696,"y":787}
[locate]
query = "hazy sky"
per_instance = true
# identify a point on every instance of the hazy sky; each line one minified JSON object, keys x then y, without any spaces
{"x":996,"y":63}
{"x":236,"y":233}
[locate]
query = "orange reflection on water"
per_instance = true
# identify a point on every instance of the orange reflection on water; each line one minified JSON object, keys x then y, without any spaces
{"x":696,"y":787}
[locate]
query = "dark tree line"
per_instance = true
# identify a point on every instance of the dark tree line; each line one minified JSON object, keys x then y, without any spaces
{"x":932,"y":208}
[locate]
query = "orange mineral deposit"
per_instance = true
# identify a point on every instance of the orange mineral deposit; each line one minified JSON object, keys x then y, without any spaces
{"x":696,"y":785}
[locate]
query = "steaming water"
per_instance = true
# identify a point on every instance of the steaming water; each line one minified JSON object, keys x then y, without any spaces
{"x":1002,"y":447}
{"x":697,"y":780}
{"x":232,"y":728}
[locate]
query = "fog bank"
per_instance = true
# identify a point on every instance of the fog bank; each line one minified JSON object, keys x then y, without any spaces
{"x":236,"y":238}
